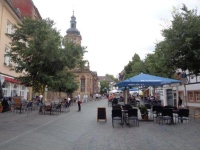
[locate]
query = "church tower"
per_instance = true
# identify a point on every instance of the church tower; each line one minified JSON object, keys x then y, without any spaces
{"x":87,"y":80}
{"x":72,"y":33}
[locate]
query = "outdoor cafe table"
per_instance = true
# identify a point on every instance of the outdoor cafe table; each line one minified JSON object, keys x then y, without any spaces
{"x":124,"y":115}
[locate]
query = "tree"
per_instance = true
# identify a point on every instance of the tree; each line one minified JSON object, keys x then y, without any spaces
{"x":157,"y":63}
{"x":134,"y":67}
{"x":36,"y":49}
{"x":104,"y":86}
{"x":112,"y":78}
{"x":182,"y":39}
{"x":64,"y":81}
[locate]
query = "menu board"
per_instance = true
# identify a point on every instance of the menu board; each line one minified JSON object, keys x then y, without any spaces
{"x":101,"y":113}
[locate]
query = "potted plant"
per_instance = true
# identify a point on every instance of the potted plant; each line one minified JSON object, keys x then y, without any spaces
{"x":144,"y":112}
{"x":1,"y":107}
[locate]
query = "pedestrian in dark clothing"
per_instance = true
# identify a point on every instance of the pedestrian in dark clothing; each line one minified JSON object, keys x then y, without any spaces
{"x":115,"y":101}
{"x":5,"y":105}
{"x":179,"y":102}
{"x":79,"y":102}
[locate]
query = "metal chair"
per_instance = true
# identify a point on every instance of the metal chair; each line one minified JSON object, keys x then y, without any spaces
{"x":133,"y":115}
{"x":167,"y":115}
{"x":29,"y":107}
{"x":117,"y":106}
{"x":183,"y":115}
{"x":56,"y":107}
{"x":158,"y":112}
{"x":117,"y":115}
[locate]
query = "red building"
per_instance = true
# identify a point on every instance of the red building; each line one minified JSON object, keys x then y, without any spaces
{"x":26,"y":8}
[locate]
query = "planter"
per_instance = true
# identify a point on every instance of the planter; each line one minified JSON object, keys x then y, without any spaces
{"x":145,"y":117}
{"x":1,"y":109}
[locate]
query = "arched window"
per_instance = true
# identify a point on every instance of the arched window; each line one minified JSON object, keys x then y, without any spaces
{"x":22,"y":92}
{"x":82,"y":84}
{"x":14,"y":91}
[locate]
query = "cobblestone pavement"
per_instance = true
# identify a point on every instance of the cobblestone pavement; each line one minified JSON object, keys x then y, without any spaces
{"x":80,"y":131}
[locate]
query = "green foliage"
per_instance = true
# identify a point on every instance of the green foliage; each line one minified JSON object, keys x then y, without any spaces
{"x":36,"y":49}
{"x":72,"y":55}
{"x":143,"y":109}
{"x":112,"y":78}
{"x":182,"y":39}
{"x":134,"y":67}
{"x":158,"y":63}
{"x":179,"y":49}
{"x":104,"y":86}
{"x":64,"y":81}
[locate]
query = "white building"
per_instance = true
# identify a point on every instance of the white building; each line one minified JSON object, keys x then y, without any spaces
{"x":188,"y":91}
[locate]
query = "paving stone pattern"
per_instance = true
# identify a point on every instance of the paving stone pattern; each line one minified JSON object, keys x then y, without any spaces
{"x":80,"y":131}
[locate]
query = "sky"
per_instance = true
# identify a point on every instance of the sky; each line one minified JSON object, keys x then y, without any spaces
{"x":114,"y":30}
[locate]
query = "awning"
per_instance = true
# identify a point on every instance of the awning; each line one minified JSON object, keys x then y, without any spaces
{"x":11,"y":80}
{"x":146,"y":80}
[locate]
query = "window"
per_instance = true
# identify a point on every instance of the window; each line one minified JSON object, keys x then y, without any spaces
{"x":190,"y":96}
{"x":82,"y":84}
{"x":5,"y":89}
{"x":14,"y":91}
{"x":10,"y":1}
{"x":9,"y":27}
{"x":7,"y":59}
{"x":197,"y":96}
{"x":194,"y":96}
{"x":22,"y":92}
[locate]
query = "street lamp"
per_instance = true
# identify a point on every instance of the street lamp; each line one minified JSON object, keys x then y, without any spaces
{"x":1,"y":83}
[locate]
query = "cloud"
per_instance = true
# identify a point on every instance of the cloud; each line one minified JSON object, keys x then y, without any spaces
{"x":114,"y":30}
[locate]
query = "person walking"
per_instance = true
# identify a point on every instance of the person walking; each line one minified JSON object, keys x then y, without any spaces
{"x":86,"y":98}
{"x":40,"y":104}
{"x":179,"y":102}
{"x":68,"y":101}
{"x":79,"y":102}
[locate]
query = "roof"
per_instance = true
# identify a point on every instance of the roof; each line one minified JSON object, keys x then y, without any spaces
{"x":105,"y":78}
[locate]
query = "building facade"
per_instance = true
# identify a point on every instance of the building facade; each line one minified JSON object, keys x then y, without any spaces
{"x":188,"y":90}
{"x":87,"y":79}
{"x":11,"y":13}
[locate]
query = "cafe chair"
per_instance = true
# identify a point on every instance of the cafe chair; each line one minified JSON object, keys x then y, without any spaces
{"x":29,"y":107}
{"x":157,"y":112}
{"x":117,"y":116}
{"x":127,"y":106}
{"x":117,"y":106}
{"x":46,"y":108}
{"x":183,"y":115}
{"x":133,"y":115}
{"x":148,"y":106}
{"x":154,"y":109}
{"x":167,"y":115}
{"x":56,"y":108}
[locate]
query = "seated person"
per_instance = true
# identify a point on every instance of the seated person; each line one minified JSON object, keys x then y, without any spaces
{"x":127,"y":107}
{"x":115,"y":101}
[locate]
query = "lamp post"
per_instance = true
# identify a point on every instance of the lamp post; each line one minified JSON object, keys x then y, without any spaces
{"x":1,"y":83}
